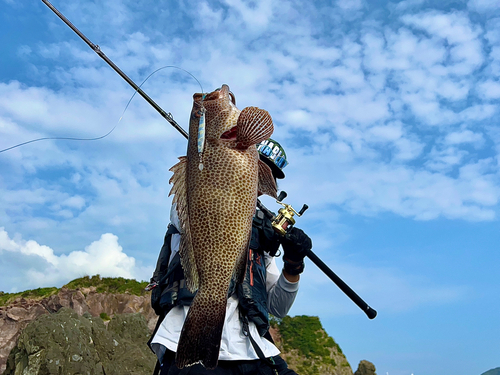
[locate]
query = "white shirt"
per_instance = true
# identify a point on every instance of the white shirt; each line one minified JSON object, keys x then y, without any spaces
{"x":234,"y":344}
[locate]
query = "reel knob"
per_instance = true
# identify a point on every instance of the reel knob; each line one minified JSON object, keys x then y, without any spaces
{"x":282,"y":196}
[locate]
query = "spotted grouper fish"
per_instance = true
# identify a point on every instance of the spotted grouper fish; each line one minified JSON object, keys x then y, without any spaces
{"x":216,"y":187}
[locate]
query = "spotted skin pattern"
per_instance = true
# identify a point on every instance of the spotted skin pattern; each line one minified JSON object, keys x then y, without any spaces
{"x":215,"y":206}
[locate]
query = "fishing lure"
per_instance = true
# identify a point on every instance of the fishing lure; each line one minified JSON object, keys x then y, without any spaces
{"x":201,"y":135}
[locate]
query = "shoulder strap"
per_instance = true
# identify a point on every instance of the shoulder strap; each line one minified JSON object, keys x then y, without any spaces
{"x":172,"y":229}
{"x":167,"y":249}
{"x":258,"y":350}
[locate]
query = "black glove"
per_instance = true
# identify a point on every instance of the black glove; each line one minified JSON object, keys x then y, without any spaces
{"x":269,"y":239}
{"x":295,"y":244}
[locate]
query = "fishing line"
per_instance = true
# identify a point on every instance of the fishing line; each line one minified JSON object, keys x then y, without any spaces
{"x":149,"y":76}
{"x":114,"y":127}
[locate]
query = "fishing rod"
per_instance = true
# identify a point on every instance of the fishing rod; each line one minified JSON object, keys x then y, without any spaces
{"x":285,"y":216}
{"x":97,"y":49}
{"x":282,"y":223}
{"x":370,"y":313}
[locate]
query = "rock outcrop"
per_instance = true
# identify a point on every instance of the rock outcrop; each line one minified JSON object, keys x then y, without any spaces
{"x":15,"y":317}
{"x":93,"y":322}
{"x":365,"y":368}
{"x":67,"y":343}
{"x":307,"y":348}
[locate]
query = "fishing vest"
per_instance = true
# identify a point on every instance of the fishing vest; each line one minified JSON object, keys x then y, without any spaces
{"x":252,"y":295}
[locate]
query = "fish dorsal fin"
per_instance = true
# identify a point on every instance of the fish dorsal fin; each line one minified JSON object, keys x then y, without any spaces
{"x":185,"y":248}
{"x":267,"y":183}
{"x":254,"y":125}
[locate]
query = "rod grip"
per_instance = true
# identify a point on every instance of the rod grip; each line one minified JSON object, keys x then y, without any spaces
{"x":371,"y":313}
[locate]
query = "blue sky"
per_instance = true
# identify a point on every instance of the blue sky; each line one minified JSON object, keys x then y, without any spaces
{"x":388,"y":112}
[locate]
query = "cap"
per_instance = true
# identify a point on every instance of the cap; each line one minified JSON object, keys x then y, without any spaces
{"x":274,"y":156}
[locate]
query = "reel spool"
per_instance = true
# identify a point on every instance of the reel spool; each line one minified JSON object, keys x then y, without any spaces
{"x":284,"y":219}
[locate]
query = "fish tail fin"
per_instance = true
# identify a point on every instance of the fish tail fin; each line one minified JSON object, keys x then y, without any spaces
{"x":201,"y":334}
{"x":254,"y":126}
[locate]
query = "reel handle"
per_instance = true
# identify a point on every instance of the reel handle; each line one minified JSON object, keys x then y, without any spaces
{"x":303,"y":209}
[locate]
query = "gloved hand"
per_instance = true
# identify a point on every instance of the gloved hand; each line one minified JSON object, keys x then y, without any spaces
{"x":269,"y":240}
{"x":295,"y":244}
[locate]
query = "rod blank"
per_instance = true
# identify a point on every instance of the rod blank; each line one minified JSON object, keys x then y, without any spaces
{"x":97,"y":49}
{"x":371,"y":313}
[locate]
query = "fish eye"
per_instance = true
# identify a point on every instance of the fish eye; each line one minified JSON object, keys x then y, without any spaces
{"x":233,"y":99}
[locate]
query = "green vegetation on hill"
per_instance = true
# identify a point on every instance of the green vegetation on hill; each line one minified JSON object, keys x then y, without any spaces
{"x":306,"y":335}
{"x":109,"y":285}
{"x":102,"y":285}
{"x":39,"y":293}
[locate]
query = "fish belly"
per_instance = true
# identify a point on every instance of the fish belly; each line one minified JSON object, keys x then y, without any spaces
{"x":221,"y":204}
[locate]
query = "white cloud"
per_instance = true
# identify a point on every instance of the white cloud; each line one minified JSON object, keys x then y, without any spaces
{"x":350,"y":5}
{"x":489,"y":89}
{"x":24,"y":51}
{"x":208,"y":16}
{"x":425,"y":83}
{"x":478,"y":112}
{"x":74,"y":202}
{"x":408,"y":149}
{"x":465,"y":50}
{"x":255,"y":14}
{"x":454,"y":27}
{"x":483,"y":5}
{"x":298,"y":118}
{"x":445,"y":159}
{"x":371,"y":188}
{"x":405,"y":5}
{"x":465,"y":136}
{"x":385,"y":133}
{"x":42,"y":267}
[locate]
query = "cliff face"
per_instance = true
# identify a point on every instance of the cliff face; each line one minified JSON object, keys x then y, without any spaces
{"x":15,"y":317}
{"x":66,"y":343}
{"x":64,"y":332}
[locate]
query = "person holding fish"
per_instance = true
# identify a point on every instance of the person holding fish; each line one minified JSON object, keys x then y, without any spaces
{"x":216,"y":280}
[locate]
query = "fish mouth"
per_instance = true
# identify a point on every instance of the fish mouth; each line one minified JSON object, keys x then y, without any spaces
{"x":220,"y":93}
{"x":225,"y":92}
{"x":230,"y":134}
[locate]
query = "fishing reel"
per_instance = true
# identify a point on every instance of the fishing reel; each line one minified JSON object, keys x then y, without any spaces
{"x":284,"y":220}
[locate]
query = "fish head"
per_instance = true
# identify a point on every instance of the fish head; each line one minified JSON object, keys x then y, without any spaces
{"x":221,"y":114}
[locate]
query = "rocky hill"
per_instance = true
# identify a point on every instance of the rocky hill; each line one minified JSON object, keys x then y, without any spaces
{"x":66,"y":343}
{"x":92,"y":295}
{"x":101,"y":326}
{"x":307,"y":348}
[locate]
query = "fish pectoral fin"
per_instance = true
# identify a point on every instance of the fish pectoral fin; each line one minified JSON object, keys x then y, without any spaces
{"x":188,"y":263}
{"x":254,"y":126}
{"x":267,"y":183}
{"x":241,"y":265}
{"x":185,"y":248}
